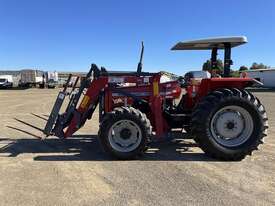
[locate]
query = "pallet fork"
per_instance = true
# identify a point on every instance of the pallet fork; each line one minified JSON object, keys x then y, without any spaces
{"x":56,"y":121}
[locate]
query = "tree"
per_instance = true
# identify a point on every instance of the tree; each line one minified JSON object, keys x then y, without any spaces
{"x":254,"y":66}
{"x":243,"y":68}
{"x":262,"y":66}
{"x":208,"y":67}
{"x":234,"y":73}
{"x":258,"y":66}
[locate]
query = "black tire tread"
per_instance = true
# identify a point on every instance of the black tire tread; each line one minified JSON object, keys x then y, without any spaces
{"x":111,"y":117}
{"x":212,"y":100}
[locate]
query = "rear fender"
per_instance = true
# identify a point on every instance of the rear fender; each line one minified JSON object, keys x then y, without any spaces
{"x":208,"y":85}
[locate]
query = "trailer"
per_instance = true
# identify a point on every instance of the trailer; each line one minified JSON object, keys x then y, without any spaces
{"x":31,"y":78}
{"x":6,"y":81}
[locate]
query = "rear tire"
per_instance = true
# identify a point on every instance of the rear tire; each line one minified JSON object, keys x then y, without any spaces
{"x":125,"y":132}
{"x":229,"y":124}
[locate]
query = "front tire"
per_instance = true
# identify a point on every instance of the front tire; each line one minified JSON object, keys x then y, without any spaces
{"x":124,"y":133}
{"x":229,"y":124}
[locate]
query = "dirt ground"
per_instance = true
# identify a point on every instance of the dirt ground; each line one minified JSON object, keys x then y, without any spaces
{"x":76,"y":172}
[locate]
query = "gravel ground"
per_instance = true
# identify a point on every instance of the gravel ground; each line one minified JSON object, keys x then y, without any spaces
{"x":76,"y":172}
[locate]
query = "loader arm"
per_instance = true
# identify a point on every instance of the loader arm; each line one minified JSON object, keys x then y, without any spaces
{"x":87,"y":106}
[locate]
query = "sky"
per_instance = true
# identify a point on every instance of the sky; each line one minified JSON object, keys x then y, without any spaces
{"x":69,"y":35}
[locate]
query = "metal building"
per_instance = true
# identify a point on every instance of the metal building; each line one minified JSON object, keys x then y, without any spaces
{"x":266,"y":76}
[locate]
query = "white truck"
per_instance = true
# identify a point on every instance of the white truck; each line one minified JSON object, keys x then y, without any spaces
{"x":51,"y":79}
{"x":6,"y":81}
{"x":30,"y":77}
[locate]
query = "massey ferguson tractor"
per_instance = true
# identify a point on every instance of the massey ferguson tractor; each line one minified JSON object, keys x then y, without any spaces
{"x":135,"y":108}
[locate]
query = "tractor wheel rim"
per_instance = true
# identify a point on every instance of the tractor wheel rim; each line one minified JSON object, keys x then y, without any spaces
{"x":125,"y":136}
{"x":231,"y":126}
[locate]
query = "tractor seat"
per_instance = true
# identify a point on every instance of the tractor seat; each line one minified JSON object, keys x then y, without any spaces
{"x":198,"y":75}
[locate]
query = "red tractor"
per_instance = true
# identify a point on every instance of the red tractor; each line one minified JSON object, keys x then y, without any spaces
{"x":227,"y":121}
